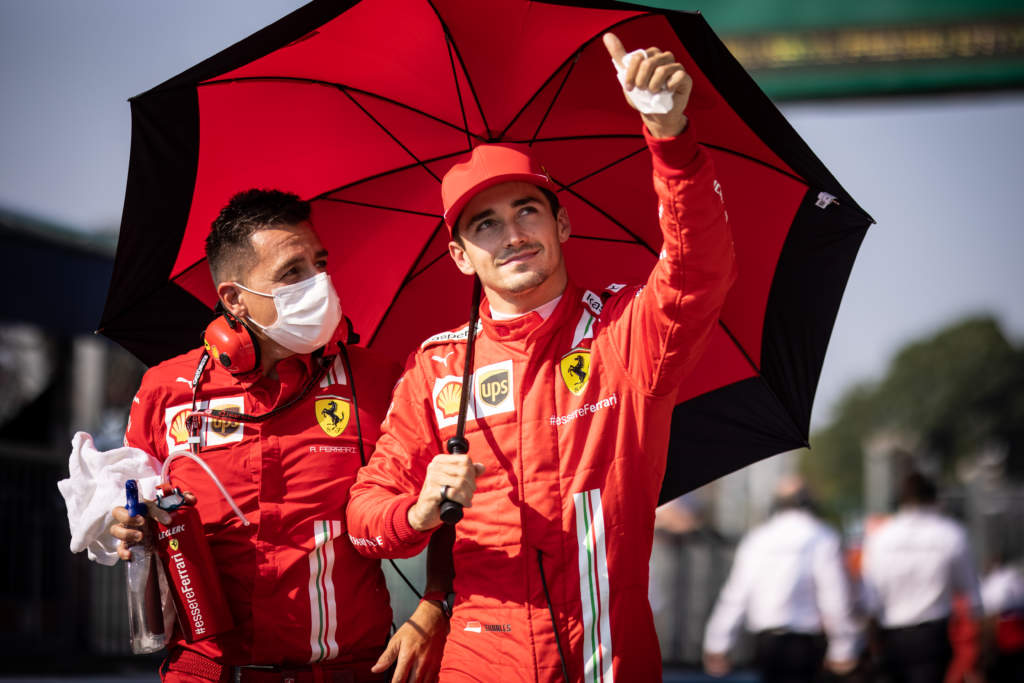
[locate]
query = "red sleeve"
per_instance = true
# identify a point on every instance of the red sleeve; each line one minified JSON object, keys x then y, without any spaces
{"x":661,"y":330}
{"x":145,"y":419}
{"x":390,"y":483}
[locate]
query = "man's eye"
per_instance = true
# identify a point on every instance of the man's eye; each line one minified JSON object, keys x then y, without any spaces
{"x":321,"y":264}
{"x":486,"y":224}
{"x":527,"y":209}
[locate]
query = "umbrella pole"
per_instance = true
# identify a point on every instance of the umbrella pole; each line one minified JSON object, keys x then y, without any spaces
{"x":451,"y":512}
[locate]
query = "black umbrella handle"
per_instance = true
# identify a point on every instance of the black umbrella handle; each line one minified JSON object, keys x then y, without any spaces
{"x":451,"y":512}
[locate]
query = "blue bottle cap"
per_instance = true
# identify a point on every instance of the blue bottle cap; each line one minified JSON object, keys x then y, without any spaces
{"x":133,"y":504}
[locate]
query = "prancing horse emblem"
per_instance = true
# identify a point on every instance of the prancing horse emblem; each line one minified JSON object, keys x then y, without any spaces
{"x":332,"y":413}
{"x":575,"y":368}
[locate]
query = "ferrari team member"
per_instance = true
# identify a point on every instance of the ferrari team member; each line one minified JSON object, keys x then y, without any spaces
{"x":568,"y":424}
{"x":306,"y":605}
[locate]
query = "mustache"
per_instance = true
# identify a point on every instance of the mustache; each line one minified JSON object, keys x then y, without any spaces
{"x":512,"y":253}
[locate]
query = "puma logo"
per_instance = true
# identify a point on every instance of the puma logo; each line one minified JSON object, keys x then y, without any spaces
{"x":443,"y":360}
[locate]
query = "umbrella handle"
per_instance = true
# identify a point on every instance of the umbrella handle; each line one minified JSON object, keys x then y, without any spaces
{"x":451,"y":512}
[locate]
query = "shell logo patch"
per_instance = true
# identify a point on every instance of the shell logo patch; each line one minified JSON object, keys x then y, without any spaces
{"x":332,"y":413}
{"x":178,"y":429}
{"x":448,"y":399}
{"x":575,"y":369}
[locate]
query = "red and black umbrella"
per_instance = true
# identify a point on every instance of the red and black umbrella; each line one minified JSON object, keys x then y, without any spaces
{"x":362,"y":107}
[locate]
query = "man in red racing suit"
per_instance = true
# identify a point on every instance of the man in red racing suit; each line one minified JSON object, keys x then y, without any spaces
{"x":304,"y":602}
{"x":568,"y":423}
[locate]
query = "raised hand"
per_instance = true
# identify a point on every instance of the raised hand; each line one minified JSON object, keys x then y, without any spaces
{"x":655,"y":72}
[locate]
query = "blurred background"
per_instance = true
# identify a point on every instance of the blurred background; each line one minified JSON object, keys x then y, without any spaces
{"x":916,"y":107}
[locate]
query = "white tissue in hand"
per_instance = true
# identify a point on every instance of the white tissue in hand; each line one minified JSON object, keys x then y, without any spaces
{"x":96,"y":486}
{"x":645,"y":101}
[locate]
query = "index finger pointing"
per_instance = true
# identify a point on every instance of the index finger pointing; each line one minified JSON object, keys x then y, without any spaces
{"x":614,"y":47}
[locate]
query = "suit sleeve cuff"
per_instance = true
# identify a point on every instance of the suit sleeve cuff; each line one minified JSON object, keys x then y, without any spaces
{"x":673,"y":156}
{"x":399,"y":528}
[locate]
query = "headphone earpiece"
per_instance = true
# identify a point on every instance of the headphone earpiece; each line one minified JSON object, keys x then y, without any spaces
{"x":231,"y":344}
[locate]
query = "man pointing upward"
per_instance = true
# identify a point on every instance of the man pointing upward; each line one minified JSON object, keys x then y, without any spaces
{"x":568,"y":426}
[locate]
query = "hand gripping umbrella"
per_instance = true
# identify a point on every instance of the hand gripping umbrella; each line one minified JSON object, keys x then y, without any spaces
{"x":361,"y":108}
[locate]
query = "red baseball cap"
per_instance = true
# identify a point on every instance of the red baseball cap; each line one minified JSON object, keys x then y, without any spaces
{"x":488,"y":165}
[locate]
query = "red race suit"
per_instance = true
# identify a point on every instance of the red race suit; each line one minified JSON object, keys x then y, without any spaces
{"x":297,"y":589}
{"x":571,"y":417}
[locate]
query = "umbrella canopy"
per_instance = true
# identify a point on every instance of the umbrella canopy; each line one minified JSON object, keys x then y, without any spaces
{"x":362,"y":109}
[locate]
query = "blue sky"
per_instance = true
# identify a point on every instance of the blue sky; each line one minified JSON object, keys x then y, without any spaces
{"x":943,"y":176}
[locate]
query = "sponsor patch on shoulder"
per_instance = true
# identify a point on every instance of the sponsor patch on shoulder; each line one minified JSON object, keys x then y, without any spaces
{"x":593,"y":302}
{"x":458,"y":335}
{"x":614,"y":287}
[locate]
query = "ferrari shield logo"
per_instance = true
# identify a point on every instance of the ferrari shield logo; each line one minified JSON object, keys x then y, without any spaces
{"x":332,"y":412}
{"x":575,"y":367}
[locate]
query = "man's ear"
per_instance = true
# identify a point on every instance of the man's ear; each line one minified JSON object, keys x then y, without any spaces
{"x":231,"y":298}
{"x":564,"y":228}
{"x":458,"y":254}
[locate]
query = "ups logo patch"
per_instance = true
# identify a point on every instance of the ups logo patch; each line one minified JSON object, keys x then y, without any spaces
{"x":494,"y":387}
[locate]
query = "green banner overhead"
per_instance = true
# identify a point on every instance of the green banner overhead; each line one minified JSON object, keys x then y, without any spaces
{"x":803,"y":49}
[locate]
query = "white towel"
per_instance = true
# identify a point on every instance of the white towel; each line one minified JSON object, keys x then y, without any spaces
{"x":645,"y":101}
{"x":96,"y":486}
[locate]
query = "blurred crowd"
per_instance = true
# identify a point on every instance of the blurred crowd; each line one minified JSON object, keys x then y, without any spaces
{"x":906,"y":603}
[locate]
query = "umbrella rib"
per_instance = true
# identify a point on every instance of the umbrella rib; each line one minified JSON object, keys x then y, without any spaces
{"x":333,"y":84}
{"x":601,"y":239}
{"x":383,"y":174}
{"x":427,"y":267}
{"x":454,"y":48}
{"x":609,"y":217}
{"x":390,"y":134}
{"x":380,"y":206}
{"x":739,"y":346}
{"x":551,"y":105}
{"x":605,"y":168}
{"x":593,"y":136}
{"x":611,"y":136}
{"x":458,"y":91}
{"x":405,"y":281}
{"x":756,"y":161}
{"x":767,"y":385}
{"x":574,"y":57}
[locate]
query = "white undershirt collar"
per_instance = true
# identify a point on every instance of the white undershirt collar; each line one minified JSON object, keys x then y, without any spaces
{"x":544,"y":311}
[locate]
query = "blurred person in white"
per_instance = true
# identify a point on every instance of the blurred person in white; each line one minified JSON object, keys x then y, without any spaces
{"x":1002,"y":598}
{"x":913,"y":566}
{"x":789,"y":585}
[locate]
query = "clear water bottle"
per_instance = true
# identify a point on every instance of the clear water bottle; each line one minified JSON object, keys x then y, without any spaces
{"x":145,"y":616}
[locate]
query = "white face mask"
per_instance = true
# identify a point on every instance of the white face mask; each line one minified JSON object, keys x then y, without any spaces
{"x":307,"y":313}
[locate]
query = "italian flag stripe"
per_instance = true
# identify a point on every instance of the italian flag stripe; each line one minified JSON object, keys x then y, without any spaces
{"x":593,"y":567}
{"x":323,"y":607}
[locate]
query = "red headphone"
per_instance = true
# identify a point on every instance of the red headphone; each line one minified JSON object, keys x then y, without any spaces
{"x":230,"y":342}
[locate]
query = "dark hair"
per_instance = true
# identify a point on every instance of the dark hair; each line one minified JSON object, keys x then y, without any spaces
{"x":917,"y":489}
{"x":548,"y":194}
{"x":800,"y":499}
{"x":228,"y":246}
